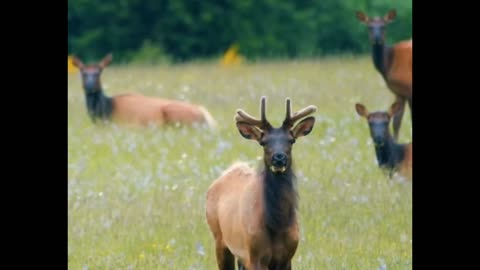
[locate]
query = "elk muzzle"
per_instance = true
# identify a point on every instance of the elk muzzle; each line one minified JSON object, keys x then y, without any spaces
{"x":279,"y":162}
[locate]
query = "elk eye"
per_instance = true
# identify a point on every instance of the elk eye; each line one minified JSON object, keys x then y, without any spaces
{"x":292,"y":141}
{"x":262,"y":143}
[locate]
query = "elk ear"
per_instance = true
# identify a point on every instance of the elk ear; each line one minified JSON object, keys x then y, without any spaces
{"x":361,"y":110}
{"x":77,"y":62}
{"x":248,"y":131}
{"x":106,"y":60}
{"x":388,"y":18}
{"x":304,"y":127}
{"x":361,"y":16}
{"x":395,"y":108}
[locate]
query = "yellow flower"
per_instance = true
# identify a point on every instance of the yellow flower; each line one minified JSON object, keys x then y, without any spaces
{"x":141,"y":256}
{"x":231,"y":57}
{"x":71,"y":67}
{"x":168,"y":248}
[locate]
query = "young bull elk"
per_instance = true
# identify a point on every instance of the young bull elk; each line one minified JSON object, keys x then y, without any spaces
{"x":135,"y":109}
{"x":252,"y":214}
{"x":391,"y":156}
{"x":394,"y":63}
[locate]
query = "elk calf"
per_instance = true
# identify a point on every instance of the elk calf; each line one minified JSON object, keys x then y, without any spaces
{"x":391,"y":156}
{"x":135,"y":109}
{"x":252,"y":214}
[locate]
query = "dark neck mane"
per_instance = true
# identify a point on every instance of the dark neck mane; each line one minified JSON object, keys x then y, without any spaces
{"x":390,"y":154}
{"x":381,"y":55}
{"x":280,"y":200}
{"x":99,"y":106}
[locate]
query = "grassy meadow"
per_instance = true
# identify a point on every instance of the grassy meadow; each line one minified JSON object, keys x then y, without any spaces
{"x":136,"y":197}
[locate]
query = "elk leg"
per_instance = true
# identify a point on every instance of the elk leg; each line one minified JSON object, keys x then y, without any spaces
{"x":397,"y":119}
{"x":257,"y":265}
{"x":240,"y":265}
{"x":225,"y":259}
{"x":280,"y":266}
{"x":273,"y":266}
{"x":287,"y":266}
{"x":410,"y":106}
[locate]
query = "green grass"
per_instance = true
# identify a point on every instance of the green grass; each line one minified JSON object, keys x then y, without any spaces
{"x":136,"y":197}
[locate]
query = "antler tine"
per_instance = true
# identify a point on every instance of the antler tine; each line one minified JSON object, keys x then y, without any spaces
{"x":288,"y":104}
{"x":245,"y":117}
{"x":291,"y":119}
{"x":262,"y":109}
{"x":302,"y":113}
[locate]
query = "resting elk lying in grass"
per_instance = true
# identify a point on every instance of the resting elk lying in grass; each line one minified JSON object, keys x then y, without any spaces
{"x":391,"y":156}
{"x":135,"y":109}
{"x":394,"y":63}
{"x":252,"y":214}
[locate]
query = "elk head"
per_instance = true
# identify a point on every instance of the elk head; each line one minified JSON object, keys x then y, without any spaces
{"x":91,"y":73}
{"x":276,"y":142}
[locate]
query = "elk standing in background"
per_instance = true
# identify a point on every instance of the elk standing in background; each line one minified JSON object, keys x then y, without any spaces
{"x":394,"y":63}
{"x":391,"y":156}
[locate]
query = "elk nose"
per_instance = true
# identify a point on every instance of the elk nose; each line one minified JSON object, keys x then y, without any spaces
{"x":279,"y":159}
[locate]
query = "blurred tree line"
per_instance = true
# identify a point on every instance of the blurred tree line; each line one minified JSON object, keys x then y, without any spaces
{"x":163,"y":30}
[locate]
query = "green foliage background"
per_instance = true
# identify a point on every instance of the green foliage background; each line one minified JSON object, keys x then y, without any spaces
{"x":163,"y":31}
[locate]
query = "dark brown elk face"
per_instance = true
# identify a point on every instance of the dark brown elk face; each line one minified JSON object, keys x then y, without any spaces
{"x":277,"y":142}
{"x":378,"y":122}
{"x":376,"y":25}
{"x":91,"y":73}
